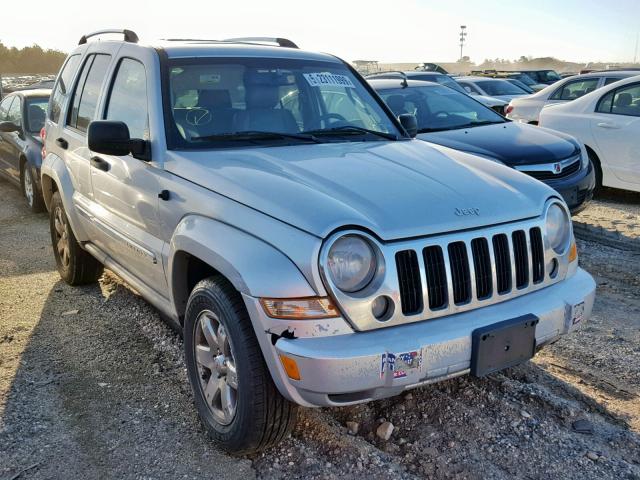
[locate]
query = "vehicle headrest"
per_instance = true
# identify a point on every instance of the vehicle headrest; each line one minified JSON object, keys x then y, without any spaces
{"x":214,"y":98}
{"x":624,"y":100}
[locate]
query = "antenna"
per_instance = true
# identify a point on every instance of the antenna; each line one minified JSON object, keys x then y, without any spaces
{"x":635,"y":55}
{"x":463,"y":38}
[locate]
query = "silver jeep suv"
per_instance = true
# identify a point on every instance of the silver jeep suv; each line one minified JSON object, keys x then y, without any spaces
{"x":311,"y":252}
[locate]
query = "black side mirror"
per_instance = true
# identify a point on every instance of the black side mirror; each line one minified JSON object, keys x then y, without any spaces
{"x":410,"y":123}
{"x":112,"y":138}
{"x":8,"y":127}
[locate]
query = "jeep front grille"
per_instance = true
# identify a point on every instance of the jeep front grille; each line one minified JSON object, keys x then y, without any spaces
{"x":466,"y":273}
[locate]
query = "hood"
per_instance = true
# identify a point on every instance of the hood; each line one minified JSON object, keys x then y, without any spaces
{"x":512,"y":143}
{"x":395,"y":189}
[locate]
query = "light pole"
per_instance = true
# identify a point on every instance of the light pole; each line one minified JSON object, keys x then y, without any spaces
{"x":463,"y":38}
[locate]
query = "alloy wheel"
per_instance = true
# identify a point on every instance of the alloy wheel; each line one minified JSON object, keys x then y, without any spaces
{"x":216,"y":367}
{"x":28,"y":185}
{"x":61,"y":236}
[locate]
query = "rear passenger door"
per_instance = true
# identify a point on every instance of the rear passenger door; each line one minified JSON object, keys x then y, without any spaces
{"x":6,"y":138}
{"x":616,"y":129}
{"x":72,"y":145}
{"x":125,"y":189}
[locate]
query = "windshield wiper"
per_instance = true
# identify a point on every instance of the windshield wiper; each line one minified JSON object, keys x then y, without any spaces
{"x":257,"y":135}
{"x":459,"y":127}
{"x":350,"y":130}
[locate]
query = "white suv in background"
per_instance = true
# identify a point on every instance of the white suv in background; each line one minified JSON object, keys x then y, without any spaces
{"x":527,"y":109}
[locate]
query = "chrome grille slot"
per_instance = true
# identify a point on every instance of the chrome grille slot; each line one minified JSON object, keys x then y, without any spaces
{"x":503,"y":263}
{"x":460,"y":276}
{"x":409,"y":279}
{"x":482,"y":264}
{"x":436,"y":277}
{"x":537,"y":254}
{"x":521,"y":257}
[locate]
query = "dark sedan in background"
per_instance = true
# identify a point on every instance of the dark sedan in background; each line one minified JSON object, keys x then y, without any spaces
{"x":449,"y":118}
{"x":22,"y":116}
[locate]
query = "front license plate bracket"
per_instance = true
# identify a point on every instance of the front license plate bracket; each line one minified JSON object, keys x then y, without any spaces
{"x":503,"y":344}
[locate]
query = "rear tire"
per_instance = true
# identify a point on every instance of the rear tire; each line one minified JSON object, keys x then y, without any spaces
{"x":75,"y":265}
{"x":29,"y":189}
{"x":233,"y":391}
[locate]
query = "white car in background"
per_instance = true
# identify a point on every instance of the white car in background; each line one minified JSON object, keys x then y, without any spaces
{"x":527,"y":109}
{"x":491,"y":87}
{"x":607,"y":121}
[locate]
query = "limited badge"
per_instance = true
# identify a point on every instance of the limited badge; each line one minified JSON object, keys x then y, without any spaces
{"x":400,"y":364}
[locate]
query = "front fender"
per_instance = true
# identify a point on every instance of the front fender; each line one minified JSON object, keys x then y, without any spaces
{"x":253,"y":266}
{"x":54,"y":176}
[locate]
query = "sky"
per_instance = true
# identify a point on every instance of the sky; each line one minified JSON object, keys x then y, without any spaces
{"x":389,"y":31}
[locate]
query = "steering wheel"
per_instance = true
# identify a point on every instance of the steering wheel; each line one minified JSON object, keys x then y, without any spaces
{"x":197,"y":117}
{"x":334,"y":116}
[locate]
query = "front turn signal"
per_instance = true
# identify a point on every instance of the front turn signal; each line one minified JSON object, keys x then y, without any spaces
{"x":290,"y":366}
{"x":573,"y":252}
{"x":299,"y":308}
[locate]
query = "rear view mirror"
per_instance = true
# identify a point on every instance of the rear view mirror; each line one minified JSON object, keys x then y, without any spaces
{"x":112,"y":138}
{"x":410,"y":123}
{"x":8,"y":127}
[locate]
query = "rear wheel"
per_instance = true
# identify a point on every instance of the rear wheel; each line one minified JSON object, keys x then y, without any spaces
{"x":75,"y":265}
{"x":233,"y":390}
{"x":29,"y":190}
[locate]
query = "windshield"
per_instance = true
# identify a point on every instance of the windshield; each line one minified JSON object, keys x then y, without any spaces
{"x":499,"y":87}
{"x":36,"y":113}
{"x":439,"y":108}
{"x":225,"y":102}
{"x":526,"y":79}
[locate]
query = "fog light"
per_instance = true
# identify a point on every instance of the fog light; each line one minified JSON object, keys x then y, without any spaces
{"x":290,"y":366}
{"x":379,"y":306}
{"x":552,"y":268}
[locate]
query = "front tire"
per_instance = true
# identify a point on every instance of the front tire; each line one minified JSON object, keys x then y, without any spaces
{"x":75,"y":265}
{"x":233,"y":391}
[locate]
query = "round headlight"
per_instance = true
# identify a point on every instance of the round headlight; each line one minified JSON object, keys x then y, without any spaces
{"x":352,"y":263}
{"x":558,"y":230}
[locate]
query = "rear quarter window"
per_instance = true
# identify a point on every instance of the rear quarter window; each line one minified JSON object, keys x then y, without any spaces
{"x":62,"y":88}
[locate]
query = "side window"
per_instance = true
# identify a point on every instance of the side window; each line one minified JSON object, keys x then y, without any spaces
{"x":15,"y":112}
{"x":87,"y":92}
{"x":4,"y":108}
{"x":626,"y":101}
{"x":61,"y":90}
{"x":610,"y":80}
{"x":573,"y":90}
{"x":128,"y":98}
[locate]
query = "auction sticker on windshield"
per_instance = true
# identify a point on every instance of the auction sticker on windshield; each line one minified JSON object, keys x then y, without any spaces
{"x":327,"y":78}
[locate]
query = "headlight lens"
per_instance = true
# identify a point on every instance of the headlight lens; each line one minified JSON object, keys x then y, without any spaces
{"x":352,"y":263}
{"x":558,"y":230}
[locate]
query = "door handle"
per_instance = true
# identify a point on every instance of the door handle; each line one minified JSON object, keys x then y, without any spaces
{"x":62,"y":143}
{"x":100,"y":164}
{"x":610,"y":126}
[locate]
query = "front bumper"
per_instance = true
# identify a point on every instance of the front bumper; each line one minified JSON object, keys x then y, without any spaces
{"x":576,"y":191}
{"x":349,"y":368}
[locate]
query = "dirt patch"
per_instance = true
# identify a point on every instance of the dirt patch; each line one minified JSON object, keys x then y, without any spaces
{"x":92,"y":385}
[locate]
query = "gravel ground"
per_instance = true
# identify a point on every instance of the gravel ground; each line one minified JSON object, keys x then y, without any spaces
{"x":92,"y":385}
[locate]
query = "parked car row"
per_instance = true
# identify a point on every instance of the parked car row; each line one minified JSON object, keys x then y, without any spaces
{"x":282,"y":215}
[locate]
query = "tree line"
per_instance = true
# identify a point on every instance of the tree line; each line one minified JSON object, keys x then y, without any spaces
{"x":30,"y":60}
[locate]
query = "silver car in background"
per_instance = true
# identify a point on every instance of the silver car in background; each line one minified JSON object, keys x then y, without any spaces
{"x":527,"y":109}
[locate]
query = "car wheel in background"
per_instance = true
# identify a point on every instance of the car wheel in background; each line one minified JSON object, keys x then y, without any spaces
{"x":595,"y":162}
{"x":75,"y":265}
{"x":29,"y":189}
{"x":233,"y":390}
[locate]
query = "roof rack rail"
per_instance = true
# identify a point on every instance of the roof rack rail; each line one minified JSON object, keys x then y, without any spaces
{"x":281,"y":42}
{"x":129,"y":35}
